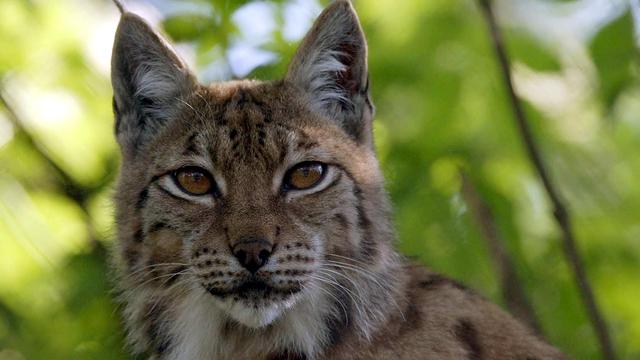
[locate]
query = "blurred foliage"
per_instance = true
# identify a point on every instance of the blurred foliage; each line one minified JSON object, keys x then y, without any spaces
{"x":614,"y":62}
{"x":441,"y":108}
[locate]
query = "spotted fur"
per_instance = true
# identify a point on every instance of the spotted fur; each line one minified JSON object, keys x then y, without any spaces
{"x":333,"y":287}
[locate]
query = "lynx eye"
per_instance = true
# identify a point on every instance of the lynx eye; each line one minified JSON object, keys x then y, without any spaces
{"x":193,"y":180}
{"x":304,"y":175}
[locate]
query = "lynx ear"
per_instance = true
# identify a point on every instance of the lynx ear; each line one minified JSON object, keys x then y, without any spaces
{"x":331,"y":67}
{"x":148,"y":80}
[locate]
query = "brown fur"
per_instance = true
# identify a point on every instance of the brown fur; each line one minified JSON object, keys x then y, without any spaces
{"x":334,"y":287}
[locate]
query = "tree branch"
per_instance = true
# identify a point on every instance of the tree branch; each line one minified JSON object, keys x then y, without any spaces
{"x":75,"y":191}
{"x":560,"y":211}
{"x":69,"y":186}
{"x":513,"y":294}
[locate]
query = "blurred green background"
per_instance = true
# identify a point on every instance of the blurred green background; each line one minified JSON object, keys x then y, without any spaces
{"x":441,"y":110}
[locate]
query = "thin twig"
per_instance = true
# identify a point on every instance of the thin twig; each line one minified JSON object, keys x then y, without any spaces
{"x":560,"y":211}
{"x":513,"y":293}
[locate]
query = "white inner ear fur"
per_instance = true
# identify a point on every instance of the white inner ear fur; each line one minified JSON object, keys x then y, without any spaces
{"x":319,"y":79}
{"x":160,"y":79}
{"x":155,"y":81}
{"x":334,"y":48}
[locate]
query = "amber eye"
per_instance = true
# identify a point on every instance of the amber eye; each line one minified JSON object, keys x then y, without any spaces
{"x":304,"y":175}
{"x":193,"y":180}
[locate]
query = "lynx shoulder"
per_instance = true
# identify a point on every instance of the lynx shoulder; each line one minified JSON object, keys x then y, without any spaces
{"x":253,"y":221}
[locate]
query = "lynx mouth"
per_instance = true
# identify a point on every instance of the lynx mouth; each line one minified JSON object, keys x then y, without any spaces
{"x":256,"y":291}
{"x":256,"y":302}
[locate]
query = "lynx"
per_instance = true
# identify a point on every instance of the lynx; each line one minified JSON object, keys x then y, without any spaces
{"x":253,"y":222}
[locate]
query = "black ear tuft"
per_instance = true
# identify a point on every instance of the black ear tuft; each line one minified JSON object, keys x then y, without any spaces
{"x":331,"y":67}
{"x":148,"y":80}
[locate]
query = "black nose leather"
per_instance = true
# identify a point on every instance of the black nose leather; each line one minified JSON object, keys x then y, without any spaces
{"x":252,"y":253}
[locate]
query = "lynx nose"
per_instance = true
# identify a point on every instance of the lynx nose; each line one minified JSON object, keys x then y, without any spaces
{"x":252,"y":253}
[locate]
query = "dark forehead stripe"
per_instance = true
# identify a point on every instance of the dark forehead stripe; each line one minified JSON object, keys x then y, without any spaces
{"x":304,"y":142}
{"x":244,"y":98}
{"x":306,"y":145}
{"x":247,"y":118}
{"x":251,"y":126}
{"x":191,"y":145}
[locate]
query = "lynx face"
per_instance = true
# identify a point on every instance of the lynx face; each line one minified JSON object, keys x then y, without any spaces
{"x":247,"y":193}
{"x":259,"y":195}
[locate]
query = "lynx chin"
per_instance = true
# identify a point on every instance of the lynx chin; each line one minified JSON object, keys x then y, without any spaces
{"x":253,"y":221}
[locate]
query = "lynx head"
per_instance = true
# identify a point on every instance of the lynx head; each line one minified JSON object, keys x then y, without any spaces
{"x":248,"y":193}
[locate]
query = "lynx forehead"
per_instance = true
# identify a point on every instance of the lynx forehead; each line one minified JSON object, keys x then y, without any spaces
{"x":253,"y":221}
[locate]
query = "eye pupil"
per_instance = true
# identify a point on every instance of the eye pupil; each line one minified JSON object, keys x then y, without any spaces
{"x":194,"y":181}
{"x":305,"y":175}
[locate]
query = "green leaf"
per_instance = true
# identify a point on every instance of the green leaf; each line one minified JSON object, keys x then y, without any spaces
{"x":613,"y":52}
{"x":188,"y":27}
{"x":524,"y":48}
